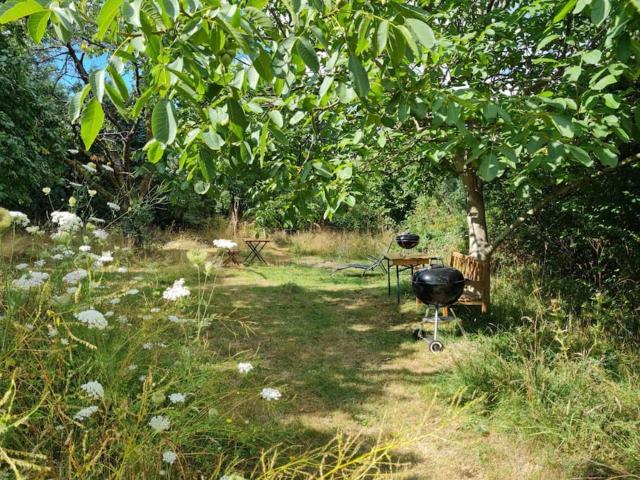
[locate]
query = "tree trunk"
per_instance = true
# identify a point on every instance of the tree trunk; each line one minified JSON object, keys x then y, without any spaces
{"x":479,"y":246}
{"x":235,"y":214}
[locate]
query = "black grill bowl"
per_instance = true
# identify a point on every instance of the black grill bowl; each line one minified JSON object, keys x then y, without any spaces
{"x":407,"y":240}
{"x":441,"y":286}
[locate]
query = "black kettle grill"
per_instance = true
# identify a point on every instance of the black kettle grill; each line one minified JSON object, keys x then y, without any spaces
{"x":407,"y":240}
{"x":437,"y":286}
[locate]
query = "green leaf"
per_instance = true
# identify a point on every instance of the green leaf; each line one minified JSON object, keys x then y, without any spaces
{"x":607,"y":157}
{"x":489,"y":167}
{"x":75,"y":105}
{"x":592,"y":57}
{"x":276,"y":118}
{"x":91,"y":122}
{"x":604,"y":82}
{"x":12,"y":11}
{"x":610,"y":101}
{"x":213,"y":140}
{"x":573,"y":73}
{"x":96,"y":79}
{"x":581,"y":155}
{"x":155,"y":150}
{"x":490,"y":111}
{"x":299,"y":115}
{"x":564,"y":11}
{"x":359,"y":76}
{"x":422,"y":31}
{"x":580,"y":6}
{"x":141,"y":102}
{"x":201,"y":187}
{"x":163,"y":122}
{"x":171,"y":8}
{"x":131,"y":11}
{"x":325,"y":86}
{"x":408,"y":37}
{"x":600,"y":10}
{"x":307,"y":53}
{"x":262,"y":64}
{"x":106,"y":16}
{"x":546,"y":41}
{"x":564,"y":125}
{"x":37,"y":25}
{"x":237,"y":120}
{"x":382,"y":35}
{"x":119,"y":82}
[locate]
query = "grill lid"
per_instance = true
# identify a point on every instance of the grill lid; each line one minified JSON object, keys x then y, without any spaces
{"x":438,"y":275}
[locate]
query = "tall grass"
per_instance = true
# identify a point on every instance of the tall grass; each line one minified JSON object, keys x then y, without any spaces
{"x":570,"y":379}
{"x":140,"y":359}
{"x":337,"y":245}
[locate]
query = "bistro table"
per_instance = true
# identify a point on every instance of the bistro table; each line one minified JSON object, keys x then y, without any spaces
{"x":231,"y":257}
{"x":255,"y":245}
{"x":407,"y":262}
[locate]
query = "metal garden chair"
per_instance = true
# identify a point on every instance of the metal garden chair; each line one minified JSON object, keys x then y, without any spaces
{"x":367,"y":267}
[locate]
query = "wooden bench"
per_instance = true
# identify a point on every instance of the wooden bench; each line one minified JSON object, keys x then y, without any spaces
{"x":477,"y":289}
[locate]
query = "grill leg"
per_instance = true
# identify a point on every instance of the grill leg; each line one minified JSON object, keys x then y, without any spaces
{"x":398,"y":283}
{"x":435,"y":325}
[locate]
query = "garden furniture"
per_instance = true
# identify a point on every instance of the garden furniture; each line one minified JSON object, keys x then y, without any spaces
{"x":256,"y":245}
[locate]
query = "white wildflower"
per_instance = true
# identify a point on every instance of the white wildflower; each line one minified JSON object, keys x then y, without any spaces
{"x":122,"y":270}
{"x":30,"y":280}
{"x":85,"y":248}
{"x":106,"y":257}
{"x":147,"y":345}
{"x":33,"y":229}
{"x":52,"y":331}
{"x":270,"y":394}
{"x":114,"y":301}
{"x":22,"y":266}
{"x":20,"y":219}
{"x":109,"y":314}
{"x":159,"y":423}
{"x":176,"y":291}
{"x":66,"y":221}
{"x":96,"y":220}
{"x":133,"y":291}
{"x":108,"y":168}
{"x":75,"y":276}
{"x":177,"y":398}
{"x":222,"y":243}
{"x":113,"y":206}
{"x":85,"y":413}
{"x":57,"y":256}
{"x":100,"y":234}
{"x":244,"y":367}
{"x":64,"y":341}
{"x":30,"y":326}
{"x":93,"y":389}
{"x":132,"y":367}
{"x":93,"y":319}
{"x":40,"y":263}
{"x":90,"y":167}
{"x":154,"y":310}
{"x":72,"y":290}
{"x":169,"y":457}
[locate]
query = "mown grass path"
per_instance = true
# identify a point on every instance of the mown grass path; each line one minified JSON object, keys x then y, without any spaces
{"x":341,"y":351}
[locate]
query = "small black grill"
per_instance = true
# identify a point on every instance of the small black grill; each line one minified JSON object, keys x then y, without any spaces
{"x":407,"y":240}
{"x":438,"y":285}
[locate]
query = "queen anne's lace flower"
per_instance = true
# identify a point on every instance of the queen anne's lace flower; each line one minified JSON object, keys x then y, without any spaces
{"x":176,"y":291}
{"x":30,"y":280}
{"x":19,"y":219}
{"x":106,"y":257}
{"x":85,"y":248}
{"x":122,"y":270}
{"x":177,"y":398}
{"x":133,"y":291}
{"x":22,"y":266}
{"x":159,"y":423}
{"x":222,"y":243}
{"x":66,"y":221}
{"x":270,"y":394}
{"x":169,"y":457}
{"x":113,"y":206}
{"x":57,"y":256}
{"x":100,"y":234}
{"x":85,"y":413}
{"x":244,"y":367}
{"x":39,"y":263}
{"x":93,"y":389}
{"x":33,"y":229}
{"x":75,"y":276}
{"x":93,"y":319}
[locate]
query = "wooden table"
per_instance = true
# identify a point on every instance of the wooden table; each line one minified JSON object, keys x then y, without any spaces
{"x":407,"y":262}
{"x":231,"y":257}
{"x":255,"y":245}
